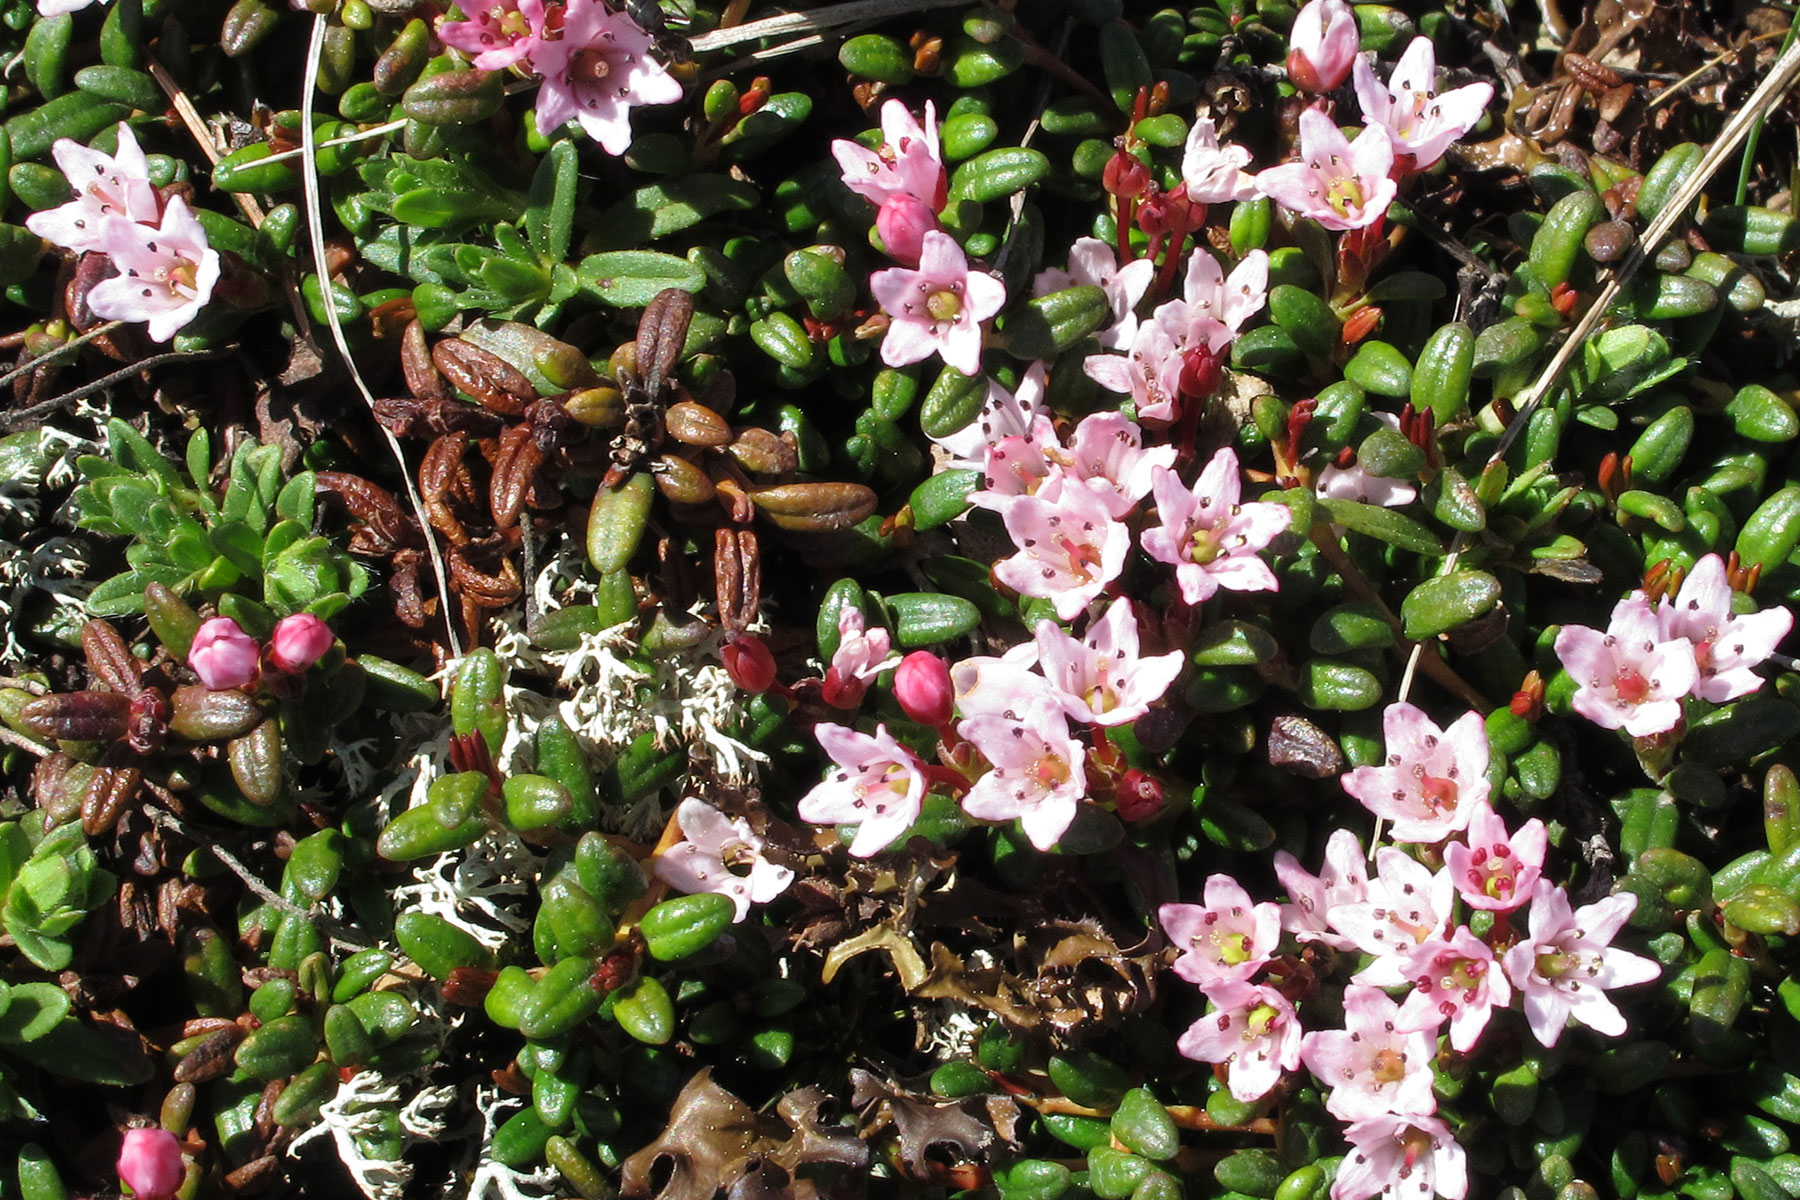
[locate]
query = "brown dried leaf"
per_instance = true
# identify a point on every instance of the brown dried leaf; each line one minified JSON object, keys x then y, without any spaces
{"x":710,"y":1131}
{"x":920,"y":1123}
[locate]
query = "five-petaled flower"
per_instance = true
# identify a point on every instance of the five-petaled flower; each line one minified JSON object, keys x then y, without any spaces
{"x":596,"y":73}
{"x":1100,"y":678}
{"x":1418,"y":120}
{"x":106,"y":186}
{"x":1253,"y":1030}
{"x":878,"y":787}
{"x":167,"y":272}
{"x":1339,"y":184}
{"x":1567,"y":964}
{"x":1070,"y":547}
{"x":1210,"y":538}
{"x":1494,"y":870}
{"x":1402,"y":1157}
{"x":1433,"y":778}
{"x":1377,"y":1063}
{"x":1038,"y":773}
{"x":1727,"y":645}
{"x":938,"y":308}
{"x":908,"y":162}
{"x":1215,"y":173}
{"x":721,"y":854}
{"x":1322,"y":43}
{"x":1224,"y":939}
{"x":1455,"y":979}
{"x":1628,"y":677}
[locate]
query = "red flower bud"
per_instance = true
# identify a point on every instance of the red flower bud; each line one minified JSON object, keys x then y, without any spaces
{"x":1137,"y":796}
{"x":922,"y":685}
{"x":749,"y":663}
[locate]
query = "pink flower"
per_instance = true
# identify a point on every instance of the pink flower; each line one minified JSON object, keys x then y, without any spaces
{"x":1567,"y":964}
{"x":1496,"y":871}
{"x":1433,"y":778}
{"x":1092,"y":263}
{"x":720,"y":854}
{"x":1409,"y":110}
{"x":923,"y":688}
{"x":223,"y":655}
{"x":907,"y":164}
{"x":1018,"y":465}
{"x":1212,"y":296}
{"x":1224,"y":939}
{"x":105,"y":186}
{"x":1208,"y":536}
{"x":1004,"y":686}
{"x":1215,"y":173}
{"x":1151,"y":374}
{"x":1727,"y":646}
{"x":1376,"y":1064}
{"x":150,"y":1163}
{"x":1355,"y":483}
{"x":1628,"y":677}
{"x":1338,"y":184}
{"x":1003,"y":414}
{"x":1101,"y":679}
{"x":596,"y":73}
{"x":861,"y":656}
{"x":1038,"y":775}
{"x":1252,"y":1029}
{"x":938,"y":308}
{"x":1404,"y":906}
{"x":1402,"y":1158}
{"x":499,"y":35}
{"x":299,"y":641}
{"x":1107,"y":456}
{"x":1321,"y":45}
{"x":1070,"y":548}
{"x":903,"y":223}
{"x":56,"y":8}
{"x":878,"y":789}
{"x":1344,"y":880}
{"x":166,"y":274}
{"x":1454,"y":979}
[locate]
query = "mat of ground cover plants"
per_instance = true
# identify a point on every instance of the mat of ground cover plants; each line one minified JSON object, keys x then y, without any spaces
{"x":900,"y":598}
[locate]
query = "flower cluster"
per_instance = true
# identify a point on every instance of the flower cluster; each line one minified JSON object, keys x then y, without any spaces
{"x":225,"y":657}
{"x":166,"y":267}
{"x":1635,"y":674}
{"x":595,"y":64}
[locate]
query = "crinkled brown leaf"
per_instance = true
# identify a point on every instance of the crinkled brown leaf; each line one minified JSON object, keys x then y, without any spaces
{"x":710,"y":1131}
{"x":918,"y":1122}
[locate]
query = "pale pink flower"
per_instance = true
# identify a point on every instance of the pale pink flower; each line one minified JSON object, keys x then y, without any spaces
{"x":1402,"y":1158}
{"x":1497,"y":871}
{"x":1433,"y":778}
{"x":907,"y":164}
{"x":166,"y":273}
{"x":1003,"y":414}
{"x":1253,"y":1030}
{"x":150,"y":1163}
{"x":1003,"y":686}
{"x":1212,"y":296}
{"x":878,"y":787}
{"x":1404,"y":905}
{"x":1092,"y":263}
{"x":1567,"y":964}
{"x":498,"y":34}
{"x":1409,"y":109}
{"x":1019,"y":465}
{"x":299,"y":641}
{"x":1070,"y":548}
{"x":1100,"y":678}
{"x":1106,"y":455}
{"x":1151,"y":373}
{"x":1376,"y":1064}
{"x":1455,"y":979}
{"x":596,"y":73}
{"x":1343,"y":880}
{"x":223,"y":655}
{"x":1210,"y":538}
{"x":56,"y":8}
{"x":938,"y":308}
{"x":720,"y":854}
{"x":1727,"y":646}
{"x":1628,"y":677}
{"x":903,"y":222}
{"x":861,"y":655}
{"x":1355,"y":483}
{"x":1214,"y":173}
{"x":1224,"y":939}
{"x":106,"y":185}
{"x":1338,"y":184}
{"x":1038,"y":776}
{"x":1321,"y":45}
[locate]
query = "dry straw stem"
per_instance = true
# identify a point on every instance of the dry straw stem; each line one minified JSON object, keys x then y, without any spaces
{"x":315,"y":230}
{"x":831,"y":16}
{"x":196,"y":126}
{"x":1768,"y":94}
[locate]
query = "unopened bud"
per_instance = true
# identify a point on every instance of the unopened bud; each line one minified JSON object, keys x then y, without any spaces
{"x":749,"y":663}
{"x":923,"y":688}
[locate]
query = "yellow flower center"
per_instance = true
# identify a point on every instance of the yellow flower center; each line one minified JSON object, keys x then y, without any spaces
{"x":1345,"y":194}
{"x":943,"y":304}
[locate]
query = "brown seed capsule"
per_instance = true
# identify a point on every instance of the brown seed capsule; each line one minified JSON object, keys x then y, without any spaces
{"x":109,"y":793}
{"x":109,"y":659}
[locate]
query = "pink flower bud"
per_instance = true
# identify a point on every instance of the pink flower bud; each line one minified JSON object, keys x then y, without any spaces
{"x":922,"y":685}
{"x":299,"y":642}
{"x":150,"y":1163}
{"x":223,"y":655}
{"x":749,"y":663}
{"x":1322,"y":46}
{"x":903,"y":222}
{"x":1138,"y":797}
{"x":841,"y":689}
